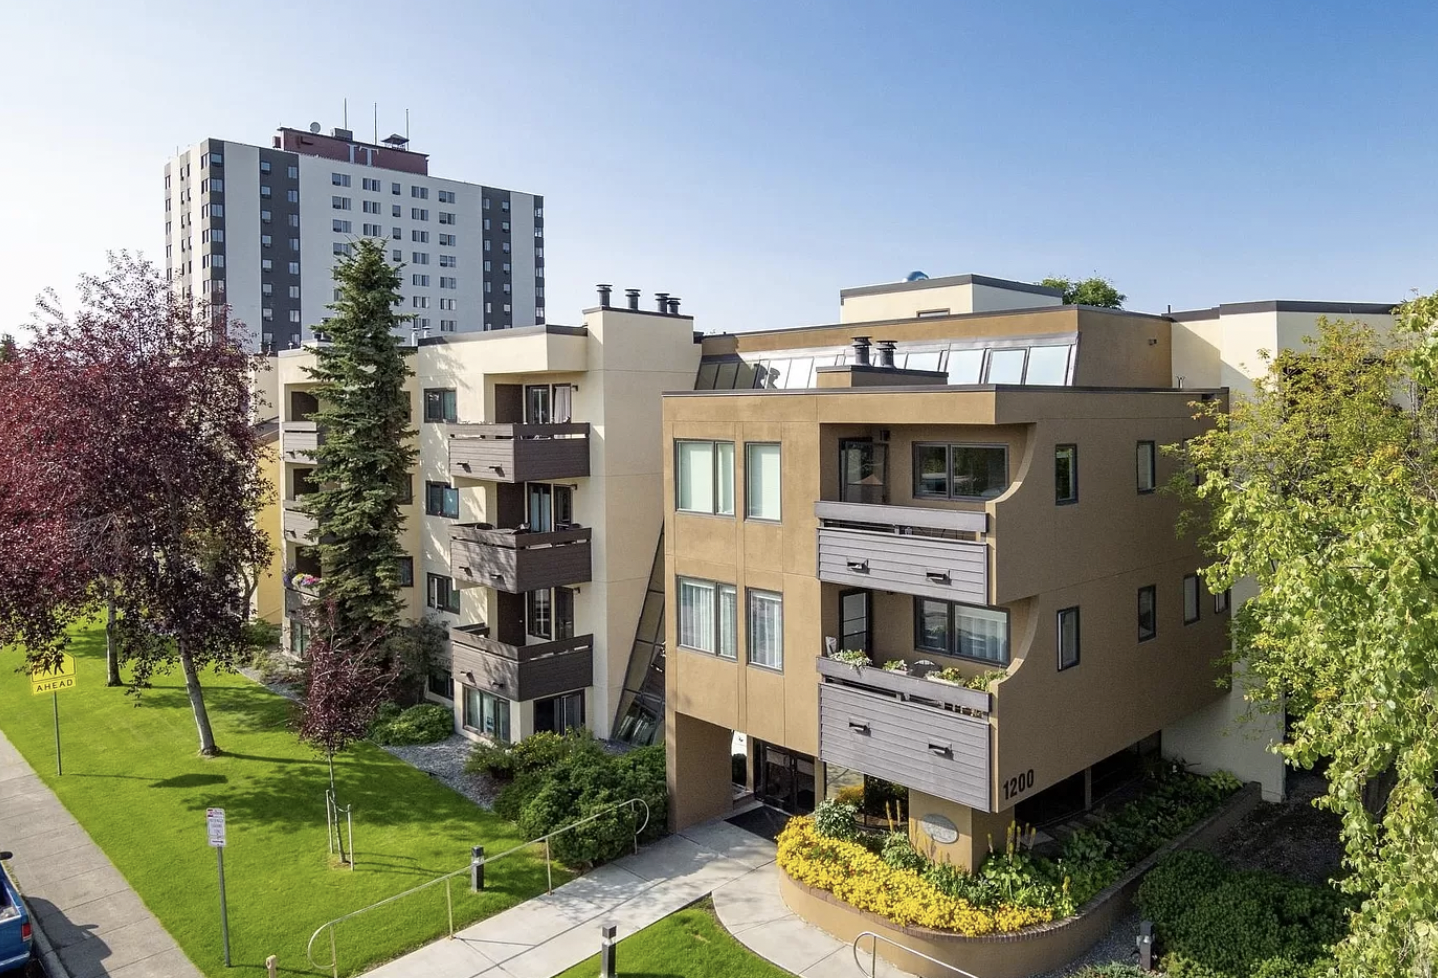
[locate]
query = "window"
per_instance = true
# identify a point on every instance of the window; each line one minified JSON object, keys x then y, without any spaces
{"x":505,"y":268}
{"x":398,"y":235}
{"x":484,"y":712}
{"x":486,"y":244}
{"x":559,"y":714}
{"x":448,"y":325}
{"x":504,"y":226}
{"x":445,"y":196}
{"x":960,"y":471}
{"x":216,"y":186}
{"x":1146,"y":466}
{"x":1006,"y":366}
{"x":294,"y":244}
{"x":372,"y":185}
{"x":422,"y":237}
{"x":504,"y":205}
{"x":406,"y":572}
{"x":446,"y":217}
{"x":539,"y":212}
{"x":294,"y":291}
{"x":766,"y":629}
{"x":340,"y":203}
{"x":708,"y":617}
{"x":294,"y":268}
{"x":1048,"y":365}
{"x":539,"y":614}
{"x":264,"y":166}
{"x":486,"y":224}
{"x":267,"y":288}
{"x":419,"y":280}
{"x":266,"y":264}
{"x":1190,"y":599}
{"x":419,"y":257}
{"x":441,"y":683}
{"x":215,"y":261}
{"x":441,"y":499}
{"x":1220,"y":602}
{"x":439,"y":405}
{"x":705,"y":477}
{"x":293,"y":196}
{"x":266,"y":241}
{"x":1065,"y":474}
{"x":340,"y":226}
{"x":504,"y":247}
{"x":217,"y":159}
{"x":420,"y":301}
{"x":294,"y":315}
{"x":448,"y":305}
{"x":396,"y":211}
{"x":266,"y":217}
{"x":448,"y":283}
{"x":1068,"y":637}
{"x":762,"y":484}
{"x":506,"y":288}
{"x":486,"y":204}
{"x":446,"y":261}
{"x":267,"y":313}
{"x":340,"y":179}
{"x":212,"y":210}
{"x":293,"y":220}
{"x":394,"y":188}
{"x":1147,"y":613}
{"x":418,"y":214}
{"x":421,"y":192}
{"x":292,"y":172}
{"x":371,"y":206}
{"x":446,"y":241}
{"x":396,"y":255}
{"x":372,"y":231}
{"x":961,"y":630}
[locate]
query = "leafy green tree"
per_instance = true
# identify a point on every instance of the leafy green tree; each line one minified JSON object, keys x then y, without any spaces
{"x":1322,"y":487}
{"x":363,"y":464}
{"x":1092,"y":291}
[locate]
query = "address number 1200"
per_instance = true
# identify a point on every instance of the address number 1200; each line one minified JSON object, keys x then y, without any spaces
{"x":1016,"y":786}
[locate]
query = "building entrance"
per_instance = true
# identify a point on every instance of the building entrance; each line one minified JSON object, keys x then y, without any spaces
{"x":783,"y":778}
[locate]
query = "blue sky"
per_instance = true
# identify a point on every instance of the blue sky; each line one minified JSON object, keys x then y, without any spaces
{"x":756,"y":157}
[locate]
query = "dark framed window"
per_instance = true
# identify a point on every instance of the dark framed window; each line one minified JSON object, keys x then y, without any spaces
{"x":441,"y":683}
{"x":1065,"y":474}
{"x":1147,"y":612}
{"x":1147,"y":459}
{"x":441,"y":499}
{"x":962,"y":630}
{"x":1220,"y":602}
{"x":559,"y":714}
{"x":539,"y":613}
{"x":1190,"y":598}
{"x":960,"y":471}
{"x":439,"y":405}
{"x":441,"y":594}
{"x":406,"y":572}
{"x":484,"y":712}
{"x":1068,"y":637}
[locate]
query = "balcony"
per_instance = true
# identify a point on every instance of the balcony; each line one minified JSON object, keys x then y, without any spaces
{"x":517,"y":561}
{"x":299,"y":439}
{"x":521,"y":672}
{"x":933,"y":553}
{"x":297,"y":599}
{"x":296,"y":524}
{"x":518,"y":452}
{"x":929,"y":735}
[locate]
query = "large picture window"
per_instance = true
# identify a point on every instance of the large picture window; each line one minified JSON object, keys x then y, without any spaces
{"x":960,"y":471}
{"x":704,"y":477}
{"x":486,"y":713}
{"x":708,"y":617}
{"x":762,"y":485}
{"x":961,"y":630}
{"x":766,"y":629}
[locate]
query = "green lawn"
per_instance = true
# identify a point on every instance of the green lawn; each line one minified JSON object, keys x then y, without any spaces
{"x":133,"y":778}
{"x":688,"y":944}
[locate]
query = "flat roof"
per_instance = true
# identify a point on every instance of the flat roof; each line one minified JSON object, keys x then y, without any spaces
{"x":950,"y":280}
{"x":1284,"y":305}
{"x":949,"y":388}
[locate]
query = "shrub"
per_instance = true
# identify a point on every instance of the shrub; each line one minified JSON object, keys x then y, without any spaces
{"x":492,"y":759}
{"x":427,"y":723}
{"x":850,"y":794}
{"x":899,"y":852}
{"x":836,"y":820}
{"x":1215,"y":922}
{"x":1113,"y":970}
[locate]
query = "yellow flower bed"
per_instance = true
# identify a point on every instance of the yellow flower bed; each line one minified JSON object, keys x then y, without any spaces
{"x":865,"y":882}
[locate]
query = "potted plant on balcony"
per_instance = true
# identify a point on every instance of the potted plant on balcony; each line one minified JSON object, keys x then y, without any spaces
{"x":897,"y":665}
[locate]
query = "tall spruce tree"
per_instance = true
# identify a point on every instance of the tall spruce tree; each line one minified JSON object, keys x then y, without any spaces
{"x":364,"y":461}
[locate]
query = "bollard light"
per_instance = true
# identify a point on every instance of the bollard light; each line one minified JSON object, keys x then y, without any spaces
{"x":1145,"y":945}
{"x":606,"y":951}
{"x":476,"y":869}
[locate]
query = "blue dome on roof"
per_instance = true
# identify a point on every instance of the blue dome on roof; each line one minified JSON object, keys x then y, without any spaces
{"x":916,"y":276}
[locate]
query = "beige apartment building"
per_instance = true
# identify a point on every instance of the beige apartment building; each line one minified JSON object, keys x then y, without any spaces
{"x":961,"y":477}
{"x":533,"y":512}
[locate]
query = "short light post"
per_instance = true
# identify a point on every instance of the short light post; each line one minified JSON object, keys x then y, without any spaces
{"x":476,"y":868}
{"x":1145,"y":945}
{"x":606,"y":952}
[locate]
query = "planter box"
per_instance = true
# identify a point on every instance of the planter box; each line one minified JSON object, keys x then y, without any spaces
{"x":903,"y":684}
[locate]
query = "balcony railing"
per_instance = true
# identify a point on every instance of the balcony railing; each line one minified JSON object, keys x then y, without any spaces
{"x":299,"y":439}
{"x":297,"y":599}
{"x":924,"y":733}
{"x":297,"y":524}
{"x":516,"y":561}
{"x":934,"y":553}
{"x":518,"y":452}
{"x":521,"y":672}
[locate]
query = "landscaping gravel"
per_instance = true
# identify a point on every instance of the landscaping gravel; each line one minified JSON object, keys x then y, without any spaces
{"x":1118,"y":946}
{"x":444,"y":762}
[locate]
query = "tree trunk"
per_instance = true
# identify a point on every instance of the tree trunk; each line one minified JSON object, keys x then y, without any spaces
{"x":334,"y":802}
{"x":112,"y":658}
{"x":197,"y":702}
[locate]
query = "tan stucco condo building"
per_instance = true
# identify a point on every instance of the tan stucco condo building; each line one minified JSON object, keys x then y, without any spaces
{"x":534,"y":509}
{"x":960,"y":476}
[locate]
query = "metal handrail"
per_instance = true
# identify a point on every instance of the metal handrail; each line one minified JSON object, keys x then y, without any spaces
{"x":874,"y":956}
{"x":334,"y":965}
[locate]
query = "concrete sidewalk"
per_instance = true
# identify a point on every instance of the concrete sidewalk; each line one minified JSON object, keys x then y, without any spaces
{"x":92,"y":920}
{"x":552,"y":933}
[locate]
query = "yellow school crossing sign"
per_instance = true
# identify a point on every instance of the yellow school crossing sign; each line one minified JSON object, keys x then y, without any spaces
{"x":44,"y":679}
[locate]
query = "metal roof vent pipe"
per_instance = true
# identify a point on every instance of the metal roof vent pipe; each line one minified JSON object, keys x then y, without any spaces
{"x":861,"y":351}
{"x":886,"y":354}
{"x":673,"y":305}
{"x":633,"y":296}
{"x":661,"y":301}
{"x":604,"y":291}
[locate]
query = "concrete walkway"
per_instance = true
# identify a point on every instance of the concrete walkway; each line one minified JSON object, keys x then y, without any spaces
{"x":92,"y":923}
{"x":550,"y":934}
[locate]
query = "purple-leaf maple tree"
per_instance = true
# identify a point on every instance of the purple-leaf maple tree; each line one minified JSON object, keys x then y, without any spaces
{"x":129,"y":467}
{"x":347,"y":677}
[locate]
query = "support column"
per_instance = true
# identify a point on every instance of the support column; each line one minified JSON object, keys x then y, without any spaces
{"x":697,"y":761}
{"x":949,"y":832}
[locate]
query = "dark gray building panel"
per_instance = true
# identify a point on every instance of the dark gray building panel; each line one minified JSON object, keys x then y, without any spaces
{"x":523,"y":672}
{"x":283,"y":228}
{"x":932,"y":567}
{"x":518,"y":452}
{"x":519,"y":562}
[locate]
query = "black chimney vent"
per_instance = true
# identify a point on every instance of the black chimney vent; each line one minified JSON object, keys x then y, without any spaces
{"x":633,"y":296}
{"x":673,"y":305}
{"x":886,"y":354}
{"x":661,"y":301}
{"x":861,"y":351}
{"x":604,"y":291}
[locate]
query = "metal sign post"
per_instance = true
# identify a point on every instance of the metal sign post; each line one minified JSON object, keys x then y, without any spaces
{"x":215,"y":824}
{"x":44,"y":679}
